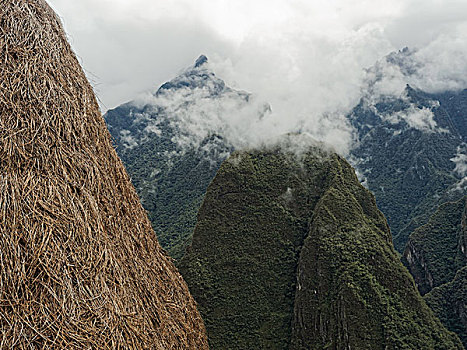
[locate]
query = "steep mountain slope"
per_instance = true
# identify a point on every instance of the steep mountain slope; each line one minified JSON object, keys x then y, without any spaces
{"x":436,"y":255}
{"x":291,"y":252}
{"x":438,"y":249}
{"x":411,"y":152}
{"x":406,"y":152}
{"x":170,"y":157}
{"x":449,"y":302}
{"x":81,"y":267}
{"x":412,"y":155}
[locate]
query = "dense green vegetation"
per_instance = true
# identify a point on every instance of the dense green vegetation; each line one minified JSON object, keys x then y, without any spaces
{"x":293,"y":253}
{"x":454,"y":103}
{"x":449,"y":302}
{"x":350,"y":279}
{"x":408,"y":169}
{"x":434,"y":252}
{"x":170,"y":181}
{"x":241,"y":265}
{"x":436,"y":255}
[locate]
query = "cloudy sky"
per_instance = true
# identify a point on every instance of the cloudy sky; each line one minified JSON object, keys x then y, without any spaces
{"x":128,"y":46}
{"x":307,"y":58}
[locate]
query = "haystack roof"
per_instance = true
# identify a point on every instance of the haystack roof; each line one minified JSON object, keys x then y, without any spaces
{"x":80,"y":266}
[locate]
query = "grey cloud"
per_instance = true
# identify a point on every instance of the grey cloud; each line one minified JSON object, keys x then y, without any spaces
{"x":423,"y":21}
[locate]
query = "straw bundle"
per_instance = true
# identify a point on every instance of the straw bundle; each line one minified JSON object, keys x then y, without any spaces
{"x":80,"y":267}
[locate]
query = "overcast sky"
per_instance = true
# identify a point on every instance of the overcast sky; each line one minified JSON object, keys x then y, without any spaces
{"x":263,"y":46}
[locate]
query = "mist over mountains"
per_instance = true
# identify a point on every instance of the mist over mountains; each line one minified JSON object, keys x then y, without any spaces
{"x":202,"y":104}
{"x":407,"y":146}
{"x":405,"y":143}
{"x":280,"y":49}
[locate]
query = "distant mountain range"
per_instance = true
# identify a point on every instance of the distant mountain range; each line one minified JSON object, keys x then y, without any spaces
{"x":406,"y":151}
{"x":410,"y":169}
{"x":408,"y":147}
{"x":171,"y":178}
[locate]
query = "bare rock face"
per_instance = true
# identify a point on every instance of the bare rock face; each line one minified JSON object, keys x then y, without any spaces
{"x":81,"y":267}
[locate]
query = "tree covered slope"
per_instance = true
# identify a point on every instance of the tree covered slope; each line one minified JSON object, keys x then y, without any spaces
{"x":437,"y":250}
{"x":409,"y":152}
{"x":436,"y":255}
{"x":292,"y":253}
{"x":449,"y":302}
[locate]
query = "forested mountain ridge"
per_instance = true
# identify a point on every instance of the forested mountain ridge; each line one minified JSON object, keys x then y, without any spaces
{"x":293,"y":253}
{"x":409,"y":152}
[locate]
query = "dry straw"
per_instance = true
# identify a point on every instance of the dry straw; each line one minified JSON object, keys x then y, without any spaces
{"x":80,"y":267}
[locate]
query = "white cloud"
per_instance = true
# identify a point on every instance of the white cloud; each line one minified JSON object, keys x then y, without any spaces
{"x":442,"y":62}
{"x":438,"y":66}
{"x":196,"y":114}
{"x":420,"y":118}
{"x":130,"y":46}
{"x":417,"y":118}
{"x":461,"y":160}
{"x":128,"y":140}
{"x":205,"y":108}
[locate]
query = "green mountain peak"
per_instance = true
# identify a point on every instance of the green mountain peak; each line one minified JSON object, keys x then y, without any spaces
{"x":292,"y":253}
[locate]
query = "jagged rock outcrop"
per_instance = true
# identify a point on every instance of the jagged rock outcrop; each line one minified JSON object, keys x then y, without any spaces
{"x":80,"y":266}
{"x":291,"y":252}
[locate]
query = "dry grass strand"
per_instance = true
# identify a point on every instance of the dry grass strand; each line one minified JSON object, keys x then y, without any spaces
{"x":80,"y":266}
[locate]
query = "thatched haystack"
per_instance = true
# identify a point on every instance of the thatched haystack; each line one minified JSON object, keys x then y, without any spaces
{"x":80,"y":267}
